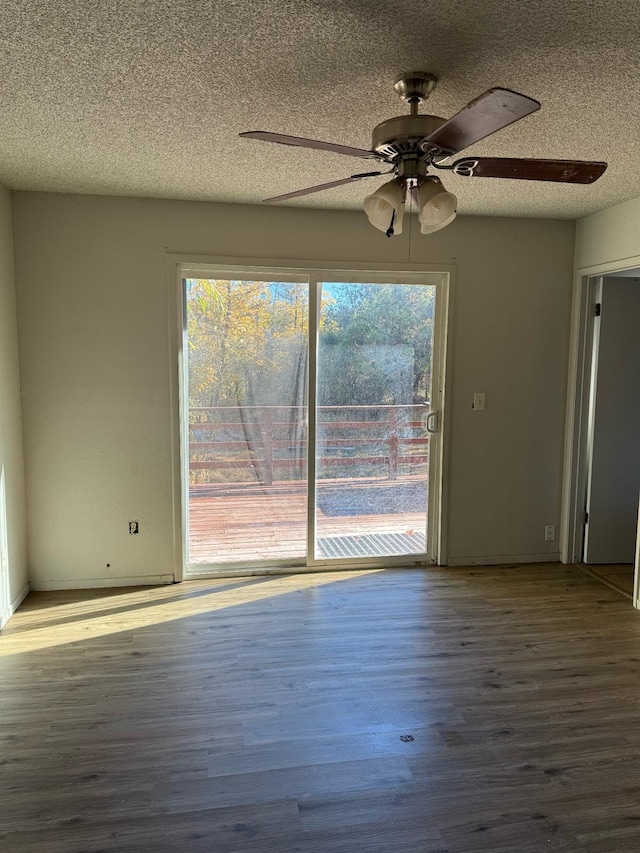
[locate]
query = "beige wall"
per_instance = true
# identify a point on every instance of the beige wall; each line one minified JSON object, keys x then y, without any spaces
{"x":12,"y":504}
{"x":609,"y":235}
{"x":94,"y":340}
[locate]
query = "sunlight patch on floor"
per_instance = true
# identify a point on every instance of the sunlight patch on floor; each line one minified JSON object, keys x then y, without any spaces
{"x":98,"y":617}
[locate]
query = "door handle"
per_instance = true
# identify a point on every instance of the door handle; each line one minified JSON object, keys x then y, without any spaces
{"x":432,"y":422}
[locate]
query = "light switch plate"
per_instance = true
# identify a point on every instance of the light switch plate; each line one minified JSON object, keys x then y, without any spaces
{"x":478,"y":401}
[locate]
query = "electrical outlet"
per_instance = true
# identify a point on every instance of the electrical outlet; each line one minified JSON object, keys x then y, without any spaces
{"x":134,"y":528}
{"x":549,"y":533}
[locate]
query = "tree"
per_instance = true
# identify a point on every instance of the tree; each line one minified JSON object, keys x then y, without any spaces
{"x":378,"y":350}
{"x":240,"y":333}
{"x":247,"y":350}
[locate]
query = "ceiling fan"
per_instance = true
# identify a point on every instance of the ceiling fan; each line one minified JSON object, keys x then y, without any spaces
{"x":413,"y":144}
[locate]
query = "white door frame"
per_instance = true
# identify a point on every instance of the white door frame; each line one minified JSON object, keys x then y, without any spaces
{"x":179,"y":266}
{"x":5,"y":593}
{"x":579,"y":418}
{"x":594,"y":297}
{"x":636,"y":578}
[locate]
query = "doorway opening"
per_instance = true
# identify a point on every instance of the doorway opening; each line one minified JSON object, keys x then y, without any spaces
{"x":312,"y":419}
{"x":606,"y":450}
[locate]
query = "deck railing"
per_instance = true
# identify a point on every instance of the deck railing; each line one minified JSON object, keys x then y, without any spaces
{"x":270,"y":441}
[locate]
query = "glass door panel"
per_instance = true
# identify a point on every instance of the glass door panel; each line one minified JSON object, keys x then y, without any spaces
{"x":374,"y":368}
{"x":247,"y":348}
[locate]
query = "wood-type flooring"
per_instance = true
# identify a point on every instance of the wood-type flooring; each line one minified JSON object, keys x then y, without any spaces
{"x":619,"y":576}
{"x":408,"y":711}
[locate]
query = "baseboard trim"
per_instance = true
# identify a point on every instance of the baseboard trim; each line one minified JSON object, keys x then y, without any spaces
{"x":17,"y":601}
{"x":502,"y":559}
{"x":102,"y":583}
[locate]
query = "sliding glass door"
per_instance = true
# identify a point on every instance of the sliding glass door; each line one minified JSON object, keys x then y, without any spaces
{"x":247,"y":347}
{"x":374,"y":366}
{"x":311,"y":412}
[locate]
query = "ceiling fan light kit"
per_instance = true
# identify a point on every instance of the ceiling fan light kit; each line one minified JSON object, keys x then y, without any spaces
{"x":385,"y":207}
{"x":436,"y":207}
{"x":414,"y":143}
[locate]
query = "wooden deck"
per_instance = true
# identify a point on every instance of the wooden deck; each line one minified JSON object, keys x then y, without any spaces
{"x":255,"y":523}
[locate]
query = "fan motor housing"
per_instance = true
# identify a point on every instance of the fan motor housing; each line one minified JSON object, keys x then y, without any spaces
{"x":401,"y":135}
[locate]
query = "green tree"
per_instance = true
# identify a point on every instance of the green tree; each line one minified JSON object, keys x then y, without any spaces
{"x":379,"y":333}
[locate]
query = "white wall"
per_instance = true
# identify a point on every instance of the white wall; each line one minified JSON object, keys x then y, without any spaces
{"x":12,"y":503}
{"x":94,"y":340}
{"x":608,"y":236}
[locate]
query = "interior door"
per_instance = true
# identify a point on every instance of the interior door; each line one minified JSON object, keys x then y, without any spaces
{"x":613,"y":481}
{"x":376,"y":421}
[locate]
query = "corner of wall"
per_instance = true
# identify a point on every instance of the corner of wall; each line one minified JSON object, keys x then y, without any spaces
{"x":14,"y":581}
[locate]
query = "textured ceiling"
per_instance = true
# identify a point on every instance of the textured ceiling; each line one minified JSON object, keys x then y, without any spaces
{"x":147,"y":97}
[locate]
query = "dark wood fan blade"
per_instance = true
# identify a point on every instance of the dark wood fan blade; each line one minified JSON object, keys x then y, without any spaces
{"x":491,"y":111}
{"x":562,"y":171}
{"x":301,"y":142}
{"x":319,"y":187}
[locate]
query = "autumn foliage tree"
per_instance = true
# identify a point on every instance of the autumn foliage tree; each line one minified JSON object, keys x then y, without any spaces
{"x":248,"y":343}
{"x":247,"y":363}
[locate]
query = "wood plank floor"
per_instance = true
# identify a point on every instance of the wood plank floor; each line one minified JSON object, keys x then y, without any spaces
{"x":407,"y":711}
{"x":620,"y":576}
